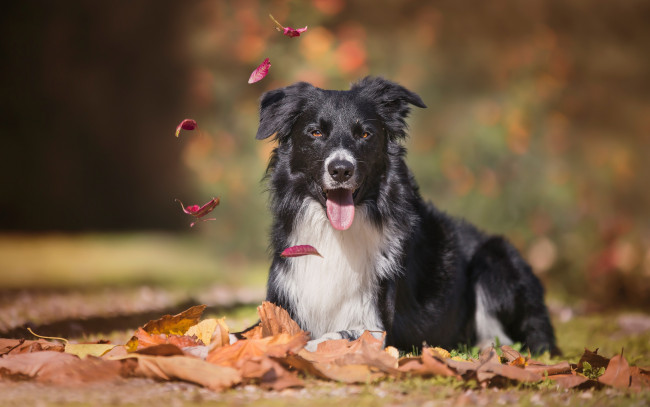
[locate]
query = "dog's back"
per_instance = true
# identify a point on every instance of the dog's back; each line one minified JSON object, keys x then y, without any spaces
{"x":391,"y":262}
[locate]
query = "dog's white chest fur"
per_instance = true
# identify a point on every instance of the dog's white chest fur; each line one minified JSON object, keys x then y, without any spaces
{"x":338,"y":291}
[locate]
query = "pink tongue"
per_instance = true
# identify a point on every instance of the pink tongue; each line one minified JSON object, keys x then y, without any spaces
{"x":340,"y":208}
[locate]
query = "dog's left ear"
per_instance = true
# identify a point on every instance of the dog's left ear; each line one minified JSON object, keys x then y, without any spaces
{"x":280,"y":108}
{"x":393,"y":102}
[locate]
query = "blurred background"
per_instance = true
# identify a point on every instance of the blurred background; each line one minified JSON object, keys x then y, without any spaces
{"x":537,"y":128}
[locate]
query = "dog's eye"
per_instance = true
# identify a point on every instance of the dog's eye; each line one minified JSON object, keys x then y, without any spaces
{"x":316,"y":133}
{"x":365,"y":134}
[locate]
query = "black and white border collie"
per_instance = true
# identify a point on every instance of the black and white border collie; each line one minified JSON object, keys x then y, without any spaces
{"x":390,"y":261}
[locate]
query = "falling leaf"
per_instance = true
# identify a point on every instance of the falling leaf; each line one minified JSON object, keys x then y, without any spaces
{"x":617,"y":373}
{"x":300,"y":250}
{"x":187,"y":124}
{"x":170,"y":324}
{"x":200,"y":211}
{"x":260,"y":72}
{"x":288,"y":31}
{"x":185,"y":368}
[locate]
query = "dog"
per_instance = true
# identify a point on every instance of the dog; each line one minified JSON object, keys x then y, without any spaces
{"x":391,"y":262}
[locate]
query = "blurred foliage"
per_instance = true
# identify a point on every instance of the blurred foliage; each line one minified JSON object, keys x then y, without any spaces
{"x":537,"y":127}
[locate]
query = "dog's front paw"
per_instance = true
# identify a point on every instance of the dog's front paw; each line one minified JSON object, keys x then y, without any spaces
{"x":313,"y":344}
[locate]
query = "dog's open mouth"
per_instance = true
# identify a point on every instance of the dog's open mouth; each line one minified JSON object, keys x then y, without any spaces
{"x":340,"y":207}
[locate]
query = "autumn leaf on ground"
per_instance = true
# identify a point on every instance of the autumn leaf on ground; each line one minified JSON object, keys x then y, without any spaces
{"x":199,"y":211}
{"x":260,"y":72}
{"x":146,"y":339}
{"x":288,"y":31}
{"x":617,"y":373}
{"x":300,"y":250}
{"x":170,"y":324}
{"x":80,"y":349}
{"x":187,"y":124}
{"x":16,"y":346}
{"x":277,"y":346}
{"x":185,"y":368}
{"x":58,"y":368}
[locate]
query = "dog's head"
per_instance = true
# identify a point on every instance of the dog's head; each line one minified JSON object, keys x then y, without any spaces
{"x":337,"y":141}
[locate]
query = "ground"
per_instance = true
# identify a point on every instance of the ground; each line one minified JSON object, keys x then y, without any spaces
{"x":87,"y":288}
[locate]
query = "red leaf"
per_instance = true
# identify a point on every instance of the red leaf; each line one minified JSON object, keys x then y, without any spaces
{"x":288,"y":31}
{"x":260,"y":72}
{"x":293,"y":32}
{"x":199,"y":211}
{"x":187,"y":124}
{"x":300,"y":250}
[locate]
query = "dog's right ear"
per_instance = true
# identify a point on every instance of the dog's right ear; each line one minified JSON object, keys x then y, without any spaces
{"x":280,"y":108}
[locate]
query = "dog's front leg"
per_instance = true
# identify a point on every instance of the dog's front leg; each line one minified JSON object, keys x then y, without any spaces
{"x":351,"y":335}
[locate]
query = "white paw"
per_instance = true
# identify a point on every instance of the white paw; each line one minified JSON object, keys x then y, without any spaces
{"x":313,"y":344}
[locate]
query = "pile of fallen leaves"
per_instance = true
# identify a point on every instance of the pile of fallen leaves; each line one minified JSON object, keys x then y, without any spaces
{"x":273,"y":356}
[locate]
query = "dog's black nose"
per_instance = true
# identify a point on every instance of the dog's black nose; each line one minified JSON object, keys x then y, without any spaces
{"x":341,"y":170}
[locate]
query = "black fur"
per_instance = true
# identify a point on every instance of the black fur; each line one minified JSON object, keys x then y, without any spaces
{"x":430,"y":293}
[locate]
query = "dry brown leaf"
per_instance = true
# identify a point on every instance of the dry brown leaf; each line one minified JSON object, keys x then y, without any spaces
{"x":569,"y":380}
{"x":617,"y":373}
{"x":185,"y":368}
{"x":426,"y":365}
{"x":489,"y":355}
{"x":593,"y":358}
{"x":268,"y":373}
{"x":17,"y":346}
{"x":58,"y":368}
{"x":509,"y":372}
{"x":164,"y":349}
{"x":440,"y":353}
{"x":519,"y":362}
{"x":351,"y":373}
{"x":510,"y":354}
{"x":640,"y":378}
{"x":558,"y":368}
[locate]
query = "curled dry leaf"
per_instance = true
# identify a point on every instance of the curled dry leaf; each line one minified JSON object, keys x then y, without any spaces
{"x":170,"y":324}
{"x":185,"y":368}
{"x":146,"y":339}
{"x":260,"y":72}
{"x":276,"y":320}
{"x":187,"y":124}
{"x":205,"y":329}
{"x":300,"y":250}
{"x":200,"y":211}
{"x":16,"y":346}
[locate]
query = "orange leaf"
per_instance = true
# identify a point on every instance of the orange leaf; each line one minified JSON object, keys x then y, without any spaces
{"x":276,"y":346}
{"x":170,"y":325}
{"x":275,"y":320}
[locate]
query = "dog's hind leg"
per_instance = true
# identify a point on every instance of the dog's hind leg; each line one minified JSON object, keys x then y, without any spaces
{"x":509,"y":298}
